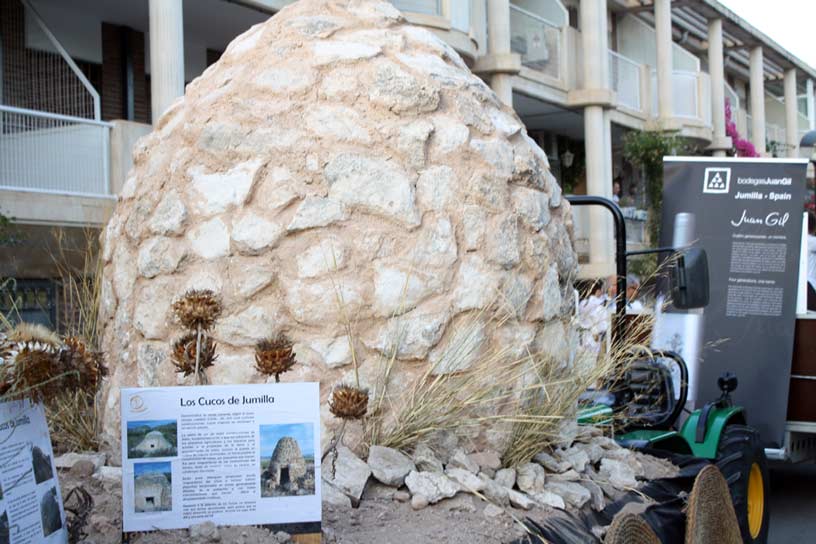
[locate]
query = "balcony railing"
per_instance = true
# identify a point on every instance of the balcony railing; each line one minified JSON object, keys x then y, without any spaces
{"x":537,"y":40}
{"x":691,"y":95}
{"x":52,"y":153}
{"x":624,"y":79}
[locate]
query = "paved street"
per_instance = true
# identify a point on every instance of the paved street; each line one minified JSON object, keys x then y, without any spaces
{"x":793,"y":504}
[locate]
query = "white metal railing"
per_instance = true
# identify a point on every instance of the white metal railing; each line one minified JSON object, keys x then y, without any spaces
{"x":537,"y":40}
{"x":52,"y":153}
{"x":685,"y":95}
{"x":749,"y":127}
{"x":45,"y":78}
{"x":624,"y":79}
{"x":732,"y":97}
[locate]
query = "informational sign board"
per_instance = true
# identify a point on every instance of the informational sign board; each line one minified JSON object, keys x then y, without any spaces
{"x":230,"y":454}
{"x":748,"y":218}
{"x":31,"y":507}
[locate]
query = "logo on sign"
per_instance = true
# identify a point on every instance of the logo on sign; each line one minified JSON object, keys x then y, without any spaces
{"x":717,"y":180}
{"x":137,"y":404}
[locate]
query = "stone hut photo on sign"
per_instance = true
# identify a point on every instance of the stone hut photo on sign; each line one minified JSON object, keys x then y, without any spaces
{"x":152,"y":487}
{"x":287,"y":463}
{"x":154,"y":438}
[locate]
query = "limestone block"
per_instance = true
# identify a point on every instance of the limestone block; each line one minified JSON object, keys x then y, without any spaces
{"x":339,"y":123}
{"x":530,"y":478}
{"x":210,"y":240}
{"x":215,"y":192}
{"x":334,"y":51}
{"x":374,"y":185}
{"x":317,"y":212}
{"x":434,"y":486}
{"x":328,"y":255}
{"x":160,"y":255}
{"x":401,"y":92}
{"x":435,"y":188}
{"x":252,"y":234}
{"x":389,"y":466}
{"x":170,"y":215}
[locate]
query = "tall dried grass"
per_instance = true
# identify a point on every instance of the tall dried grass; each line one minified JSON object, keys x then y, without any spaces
{"x":523,"y":400}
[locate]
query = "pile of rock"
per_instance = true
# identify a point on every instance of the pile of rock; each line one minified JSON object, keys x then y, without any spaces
{"x":588,"y":469}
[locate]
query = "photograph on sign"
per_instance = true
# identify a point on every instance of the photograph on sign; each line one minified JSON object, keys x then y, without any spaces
{"x":28,"y":477}
{"x":233,"y":455}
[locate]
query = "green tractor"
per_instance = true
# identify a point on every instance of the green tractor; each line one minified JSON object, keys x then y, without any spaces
{"x":648,"y":411}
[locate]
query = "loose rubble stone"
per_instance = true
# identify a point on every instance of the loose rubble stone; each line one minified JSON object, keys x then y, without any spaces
{"x":425,"y":459}
{"x":506,"y":477}
{"x":575,"y":456}
{"x":569,"y":476}
{"x":433,"y":486}
{"x":110,"y":474}
{"x":486,"y":459}
{"x":495,"y":492}
{"x":551,"y":463}
{"x":460,"y":459}
{"x":573,"y":493}
{"x":548,"y":498}
{"x":335,"y":497}
{"x":350,"y":473}
{"x":619,"y":473}
{"x":204,"y":532}
{"x":598,"y":501}
{"x":389,"y":466}
{"x":418,"y":502}
{"x":68,"y":460}
{"x":467,"y":480}
{"x":520,"y":500}
{"x":530,"y":478}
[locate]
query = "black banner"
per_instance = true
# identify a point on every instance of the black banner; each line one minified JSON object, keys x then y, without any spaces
{"x":748,"y":218}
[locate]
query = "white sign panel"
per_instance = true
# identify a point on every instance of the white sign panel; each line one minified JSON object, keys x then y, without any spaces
{"x":231,"y":454}
{"x":31,"y":507}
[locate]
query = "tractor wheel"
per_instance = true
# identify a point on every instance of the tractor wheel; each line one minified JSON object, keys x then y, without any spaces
{"x":741,"y":459}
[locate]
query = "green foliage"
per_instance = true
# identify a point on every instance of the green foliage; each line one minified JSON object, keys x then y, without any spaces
{"x":646,"y":151}
{"x":9,"y":235}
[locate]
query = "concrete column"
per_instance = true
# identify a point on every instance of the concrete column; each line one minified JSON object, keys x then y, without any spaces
{"x":498,"y":43}
{"x":166,"y":54}
{"x":791,"y":115}
{"x":663,"y":30}
{"x":597,"y":135}
{"x":758,"y":100}
{"x":717,"y":70}
{"x":811,"y":105}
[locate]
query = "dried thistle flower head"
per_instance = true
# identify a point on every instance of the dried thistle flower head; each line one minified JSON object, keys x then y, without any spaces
{"x":184,"y":353}
{"x":348,"y":402}
{"x":274,"y":356}
{"x":197,"y":308}
{"x":86,"y":366}
{"x":35,"y":373}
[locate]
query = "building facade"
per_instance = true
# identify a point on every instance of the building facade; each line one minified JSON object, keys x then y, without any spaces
{"x":81,"y":81}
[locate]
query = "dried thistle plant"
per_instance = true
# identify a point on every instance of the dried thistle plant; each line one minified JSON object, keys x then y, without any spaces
{"x":274,"y":356}
{"x":197,"y":309}
{"x":34,"y":373}
{"x":186,"y":351}
{"x":348,"y":402}
{"x":86,"y":367}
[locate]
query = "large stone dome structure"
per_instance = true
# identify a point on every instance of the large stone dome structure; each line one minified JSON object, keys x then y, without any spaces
{"x":337,"y":164}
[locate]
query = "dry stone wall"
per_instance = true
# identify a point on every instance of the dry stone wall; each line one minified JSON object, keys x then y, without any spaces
{"x":335,"y":152}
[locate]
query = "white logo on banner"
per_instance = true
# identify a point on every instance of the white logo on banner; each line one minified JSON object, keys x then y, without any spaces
{"x":717,"y":180}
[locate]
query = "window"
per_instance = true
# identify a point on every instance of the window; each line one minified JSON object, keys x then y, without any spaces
{"x":428,"y":7}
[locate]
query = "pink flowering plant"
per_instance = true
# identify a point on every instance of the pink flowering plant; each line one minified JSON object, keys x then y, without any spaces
{"x":742,"y":147}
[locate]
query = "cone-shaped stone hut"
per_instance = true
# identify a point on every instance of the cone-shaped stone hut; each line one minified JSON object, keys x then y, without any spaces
{"x":153,"y":442}
{"x":287,"y":464}
{"x":336,"y":152}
